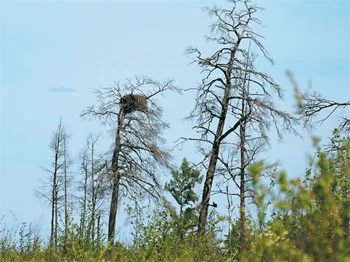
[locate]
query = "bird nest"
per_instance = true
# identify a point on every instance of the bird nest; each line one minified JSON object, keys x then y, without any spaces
{"x":131,"y":103}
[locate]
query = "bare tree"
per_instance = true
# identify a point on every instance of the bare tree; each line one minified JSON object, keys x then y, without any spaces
{"x":92,"y":141}
{"x":66,"y":183}
{"x":56,"y":180}
{"x":57,"y":147}
{"x":130,"y":109}
{"x":312,"y":104}
{"x":93,"y":188}
{"x":232,"y":94}
{"x":84,"y":187}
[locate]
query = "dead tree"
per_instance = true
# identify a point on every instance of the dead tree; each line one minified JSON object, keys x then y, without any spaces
{"x":66,"y":186}
{"x":84,"y":199}
{"x":132,"y":112}
{"x":92,"y":141}
{"x":58,"y":146}
{"x":221,"y":99}
{"x":93,"y":188}
{"x":51,"y":189}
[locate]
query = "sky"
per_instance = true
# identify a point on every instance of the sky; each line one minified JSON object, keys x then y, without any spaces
{"x":54,"y":54}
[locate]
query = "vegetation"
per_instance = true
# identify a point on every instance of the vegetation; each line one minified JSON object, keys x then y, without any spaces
{"x":301,"y":219}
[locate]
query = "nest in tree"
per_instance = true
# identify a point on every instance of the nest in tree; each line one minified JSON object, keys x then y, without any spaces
{"x":130,"y":103}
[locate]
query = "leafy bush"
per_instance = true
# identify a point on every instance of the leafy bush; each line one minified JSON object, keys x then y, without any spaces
{"x":310,"y":221}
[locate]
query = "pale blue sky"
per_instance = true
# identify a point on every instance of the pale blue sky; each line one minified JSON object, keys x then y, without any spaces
{"x":54,"y":54}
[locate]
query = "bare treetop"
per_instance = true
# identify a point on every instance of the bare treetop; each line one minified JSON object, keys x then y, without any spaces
{"x":314,"y":103}
{"x":226,"y":69}
{"x":109,"y":98}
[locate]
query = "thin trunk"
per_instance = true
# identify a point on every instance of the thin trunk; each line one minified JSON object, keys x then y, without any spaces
{"x":53,"y":236}
{"x":52,"y":243}
{"x":83,"y":212}
{"x":229,"y":209}
{"x":181,"y":221}
{"x":56,"y":218}
{"x":98,"y":231}
{"x":65,"y":194}
{"x":181,"y":205}
{"x":116,"y":181}
{"x":242,"y":133}
{"x":93,"y":202}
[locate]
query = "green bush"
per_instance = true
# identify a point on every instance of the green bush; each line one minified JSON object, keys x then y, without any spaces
{"x":310,"y":221}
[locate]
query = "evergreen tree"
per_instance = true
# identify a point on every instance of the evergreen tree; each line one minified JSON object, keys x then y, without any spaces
{"x":181,"y":187}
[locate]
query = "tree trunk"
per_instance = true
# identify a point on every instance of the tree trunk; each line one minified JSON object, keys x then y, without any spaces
{"x":83,"y":212}
{"x":203,"y":215}
{"x":230,"y":211}
{"x":242,"y":179}
{"x":113,"y":211}
{"x":56,"y":218}
{"x":53,"y":237}
{"x":93,"y":202}
{"x":52,"y":243}
{"x":116,"y":181}
{"x":65,"y":194}
{"x":180,"y":227}
{"x":98,"y":232}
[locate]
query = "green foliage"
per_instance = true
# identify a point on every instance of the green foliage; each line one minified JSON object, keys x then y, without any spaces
{"x":182,"y":184}
{"x":311,"y":217}
{"x":161,"y":242}
{"x":297,"y":220}
{"x":182,"y":188}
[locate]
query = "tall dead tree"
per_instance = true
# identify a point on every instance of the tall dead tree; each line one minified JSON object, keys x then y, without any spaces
{"x":130,"y":109}
{"x":66,"y":181}
{"x":56,"y":181}
{"x":57,"y":147}
{"x":58,"y":175}
{"x":92,"y":141}
{"x":93,"y":188}
{"x":223,"y":104}
{"x":84,"y":199}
